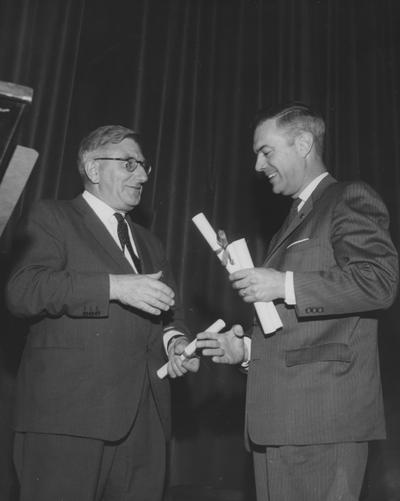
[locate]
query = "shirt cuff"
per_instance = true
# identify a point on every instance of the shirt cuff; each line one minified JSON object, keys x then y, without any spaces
{"x":169,"y":335}
{"x":290,"y":297}
{"x":247,"y":352}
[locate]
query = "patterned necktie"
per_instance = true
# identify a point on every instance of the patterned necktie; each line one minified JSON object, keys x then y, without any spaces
{"x":123,"y":235}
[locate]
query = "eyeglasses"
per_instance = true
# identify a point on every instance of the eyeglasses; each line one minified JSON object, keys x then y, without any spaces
{"x":131,"y":164}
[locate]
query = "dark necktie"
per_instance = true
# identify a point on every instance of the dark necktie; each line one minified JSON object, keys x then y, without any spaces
{"x":123,"y":235}
{"x":293,"y":210}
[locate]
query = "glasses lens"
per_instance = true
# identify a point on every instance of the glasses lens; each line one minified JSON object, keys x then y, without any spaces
{"x":132,"y":164}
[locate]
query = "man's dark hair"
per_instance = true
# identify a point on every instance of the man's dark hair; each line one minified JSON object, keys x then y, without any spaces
{"x":295,"y":118}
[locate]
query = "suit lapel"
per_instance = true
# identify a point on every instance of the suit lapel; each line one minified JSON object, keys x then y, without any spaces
{"x":288,"y":228}
{"x":99,"y":232}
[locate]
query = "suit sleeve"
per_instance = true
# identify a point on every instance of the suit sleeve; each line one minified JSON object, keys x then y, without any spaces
{"x":42,"y":283}
{"x":365,"y":275}
{"x":174,"y":318}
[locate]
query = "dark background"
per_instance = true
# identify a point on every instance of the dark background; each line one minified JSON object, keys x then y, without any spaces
{"x":189,"y":75}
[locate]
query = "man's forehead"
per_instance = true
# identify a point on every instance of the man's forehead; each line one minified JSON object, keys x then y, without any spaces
{"x":267,"y":132}
{"x":126,"y":145}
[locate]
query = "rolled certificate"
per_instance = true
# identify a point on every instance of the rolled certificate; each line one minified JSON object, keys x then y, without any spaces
{"x":266,"y":312}
{"x":239,"y":259}
{"x":191,"y":347}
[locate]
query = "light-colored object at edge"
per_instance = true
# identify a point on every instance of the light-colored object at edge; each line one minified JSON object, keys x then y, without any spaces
{"x":191,"y":347}
{"x":239,"y":252}
{"x":16,"y":91}
{"x":14,"y":181}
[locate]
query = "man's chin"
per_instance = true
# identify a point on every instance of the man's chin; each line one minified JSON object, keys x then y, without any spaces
{"x":132,"y":203}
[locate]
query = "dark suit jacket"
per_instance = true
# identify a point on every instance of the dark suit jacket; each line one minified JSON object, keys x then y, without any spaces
{"x":317,"y":379}
{"x":85,"y":359}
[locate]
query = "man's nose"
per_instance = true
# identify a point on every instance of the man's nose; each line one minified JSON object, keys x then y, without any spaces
{"x":141,"y":174}
{"x":260,"y":163}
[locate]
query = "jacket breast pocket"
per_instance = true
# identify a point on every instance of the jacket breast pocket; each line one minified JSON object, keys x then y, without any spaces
{"x":308,"y":254}
{"x":330,"y":352}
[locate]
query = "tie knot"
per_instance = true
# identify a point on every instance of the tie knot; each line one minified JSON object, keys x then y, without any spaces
{"x":120,"y":218}
{"x":296,"y":203}
{"x":293,"y":210}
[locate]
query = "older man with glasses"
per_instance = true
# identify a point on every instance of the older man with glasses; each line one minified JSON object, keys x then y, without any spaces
{"x":92,"y":417}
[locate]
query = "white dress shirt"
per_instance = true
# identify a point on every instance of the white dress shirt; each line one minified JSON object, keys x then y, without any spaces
{"x":106,"y":215}
{"x":290,"y":297}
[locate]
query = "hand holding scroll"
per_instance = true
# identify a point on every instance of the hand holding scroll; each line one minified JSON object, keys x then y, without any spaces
{"x":182,"y":361}
{"x":236,"y":256}
{"x":258,"y":284}
{"x":225,"y":348}
{"x":179,"y":362}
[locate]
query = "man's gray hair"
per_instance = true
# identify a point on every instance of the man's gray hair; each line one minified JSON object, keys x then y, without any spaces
{"x":103,"y":136}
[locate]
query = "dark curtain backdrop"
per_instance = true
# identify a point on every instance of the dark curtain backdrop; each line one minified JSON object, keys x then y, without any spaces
{"x":189,"y":75}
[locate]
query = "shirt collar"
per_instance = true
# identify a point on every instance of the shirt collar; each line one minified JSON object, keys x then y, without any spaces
{"x":306,"y":193}
{"x":103,"y":210}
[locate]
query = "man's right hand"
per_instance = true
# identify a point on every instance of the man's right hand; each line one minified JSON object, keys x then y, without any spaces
{"x":223,"y":348}
{"x":145,"y":292}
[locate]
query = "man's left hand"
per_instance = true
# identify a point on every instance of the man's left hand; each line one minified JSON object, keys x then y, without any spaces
{"x":176,"y":366}
{"x":259,"y":284}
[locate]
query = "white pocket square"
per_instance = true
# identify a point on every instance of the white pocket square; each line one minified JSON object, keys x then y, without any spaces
{"x":297,"y":242}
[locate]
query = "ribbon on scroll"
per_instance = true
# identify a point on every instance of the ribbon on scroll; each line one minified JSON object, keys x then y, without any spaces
{"x":236,"y":256}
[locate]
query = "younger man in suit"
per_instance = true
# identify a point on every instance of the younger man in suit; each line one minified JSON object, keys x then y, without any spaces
{"x":314,"y":395}
{"x":92,"y":417}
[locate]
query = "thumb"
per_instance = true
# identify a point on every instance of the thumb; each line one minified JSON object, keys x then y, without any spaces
{"x":156,"y":276}
{"x":238,"y":330}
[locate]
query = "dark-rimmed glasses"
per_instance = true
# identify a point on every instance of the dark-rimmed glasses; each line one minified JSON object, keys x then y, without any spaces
{"x":130,"y":163}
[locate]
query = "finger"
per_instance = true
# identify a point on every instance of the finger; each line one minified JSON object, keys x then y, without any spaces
{"x":156,"y":275}
{"x":207,"y":343}
{"x":172,"y":369}
{"x":213,"y":352}
{"x":207,"y":336}
{"x":177,"y":364}
{"x":159,"y":300}
{"x":191,"y":364}
{"x":240,"y":284}
{"x":148,"y":308}
{"x":159,"y":284}
{"x":162,"y":288}
{"x":239,"y":274}
{"x":179,"y":348}
{"x":249,"y":299}
{"x":218,"y":360}
{"x":238,"y":330}
{"x":151,"y":302}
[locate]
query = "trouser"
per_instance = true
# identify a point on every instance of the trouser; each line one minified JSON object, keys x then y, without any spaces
{"x":328,"y":472}
{"x":66,"y":468}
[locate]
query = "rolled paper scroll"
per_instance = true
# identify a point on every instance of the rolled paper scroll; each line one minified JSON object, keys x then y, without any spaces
{"x":191,"y":347}
{"x":236,"y":256}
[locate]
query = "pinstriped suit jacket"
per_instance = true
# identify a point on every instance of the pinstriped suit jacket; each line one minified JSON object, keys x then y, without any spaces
{"x":317,"y":380}
{"x":85,"y":359}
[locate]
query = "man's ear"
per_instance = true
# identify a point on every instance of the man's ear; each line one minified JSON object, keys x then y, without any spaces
{"x":304,"y":143}
{"x":92,"y":171}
